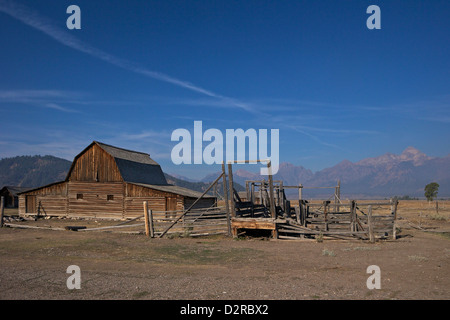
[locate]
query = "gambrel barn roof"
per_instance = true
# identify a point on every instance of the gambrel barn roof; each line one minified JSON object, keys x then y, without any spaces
{"x":134,"y":166}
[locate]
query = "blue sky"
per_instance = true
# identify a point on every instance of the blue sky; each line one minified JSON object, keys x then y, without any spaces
{"x":137,"y":70}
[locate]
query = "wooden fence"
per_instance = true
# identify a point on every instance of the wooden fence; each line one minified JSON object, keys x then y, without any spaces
{"x":364,"y":220}
{"x":196,"y":222}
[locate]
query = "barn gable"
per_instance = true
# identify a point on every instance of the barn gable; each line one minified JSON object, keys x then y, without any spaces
{"x":105,"y":163}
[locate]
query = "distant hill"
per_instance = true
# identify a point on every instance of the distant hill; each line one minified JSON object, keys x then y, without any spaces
{"x":32,"y":171}
{"x":36,"y":171}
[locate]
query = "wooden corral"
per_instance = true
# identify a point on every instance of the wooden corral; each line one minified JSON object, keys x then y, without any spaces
{"x":264,"y":206}
{"x":361,"y":220}
{"x":111,"y":183}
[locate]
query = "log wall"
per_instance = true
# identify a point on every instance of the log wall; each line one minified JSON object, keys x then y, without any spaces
{"x":157,"y":200}
{"x":90,"y":200}
{"x":103,"y":200}
{"x":50,"y":200}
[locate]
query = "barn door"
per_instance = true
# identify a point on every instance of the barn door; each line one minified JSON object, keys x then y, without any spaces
{"x":30,"y":204}
{"x":171,"y":205}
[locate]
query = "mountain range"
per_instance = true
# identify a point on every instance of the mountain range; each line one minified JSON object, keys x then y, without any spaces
{"x":384,"y":176}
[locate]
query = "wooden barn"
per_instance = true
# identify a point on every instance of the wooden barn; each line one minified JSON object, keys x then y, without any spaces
{"x":10,"y":195}
{"x":109,"y":183}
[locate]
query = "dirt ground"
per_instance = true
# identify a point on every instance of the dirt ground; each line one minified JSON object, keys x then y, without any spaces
{"x":33,"y":264}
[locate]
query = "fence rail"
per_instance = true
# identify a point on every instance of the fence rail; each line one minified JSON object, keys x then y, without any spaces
{"x":196,"y":222}
{"x":365,"y":220}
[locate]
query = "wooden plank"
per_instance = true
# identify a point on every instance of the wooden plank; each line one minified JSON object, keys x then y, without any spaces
{"x":231,"y":190}
{"x":370,"y":222}
{"x":207,"y":234}
{"x":114,"y":227}
{"x":131,"y":220}
{"x":2,"y":210}
{"x":253,"y":224}
{"x":12,"y":225}
{"x":151,"y":223}
{"x":271,"y":200}
{"x":225,"y":194}
{"x":385,"y":203}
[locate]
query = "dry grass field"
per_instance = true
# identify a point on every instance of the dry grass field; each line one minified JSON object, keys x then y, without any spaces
{"x":33,"y":263}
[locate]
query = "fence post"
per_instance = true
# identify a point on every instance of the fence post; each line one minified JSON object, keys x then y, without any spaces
{"x":271,"y":200}
{"x":300,"y":187}
{"x":370,"y":223}
{"x":147,"y":224}
{"x":325,"y":214}
{"x":2,"y":209}
{"x":152,"y":229}
{"x":394,"y":231}
{"x":339,"y":195}
{"x":247,"y":190}
{"x":230,"y":181}
{"x":353,"y":216}
{"x":304,"y":213}
{"x":225,"y":193}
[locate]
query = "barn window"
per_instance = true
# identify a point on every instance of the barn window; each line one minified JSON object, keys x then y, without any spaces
{"x":79,"y":196}
{"x":110,"y":197}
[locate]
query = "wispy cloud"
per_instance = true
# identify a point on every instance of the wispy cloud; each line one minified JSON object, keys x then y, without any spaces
{"x":59,"y":108}
{"x":20,"y":95}
{"x":43,"y":24}
{"x":443,"y":119}
{"x":147,"y":136}
{"x":435,"y":108}
{"x":43,"y":98}
{"x":314,"y":137}
{"x":337,"y":131}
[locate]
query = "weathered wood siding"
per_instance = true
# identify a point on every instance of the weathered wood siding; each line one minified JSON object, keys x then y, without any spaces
{"x":93,"y":202}
{"x":52,"y":205}
{"x":77,"y":199}
{"x":49,"y":200}
{"x":157,"y":200}
{"x":95,"y":165}
{"x":22,"y":205}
